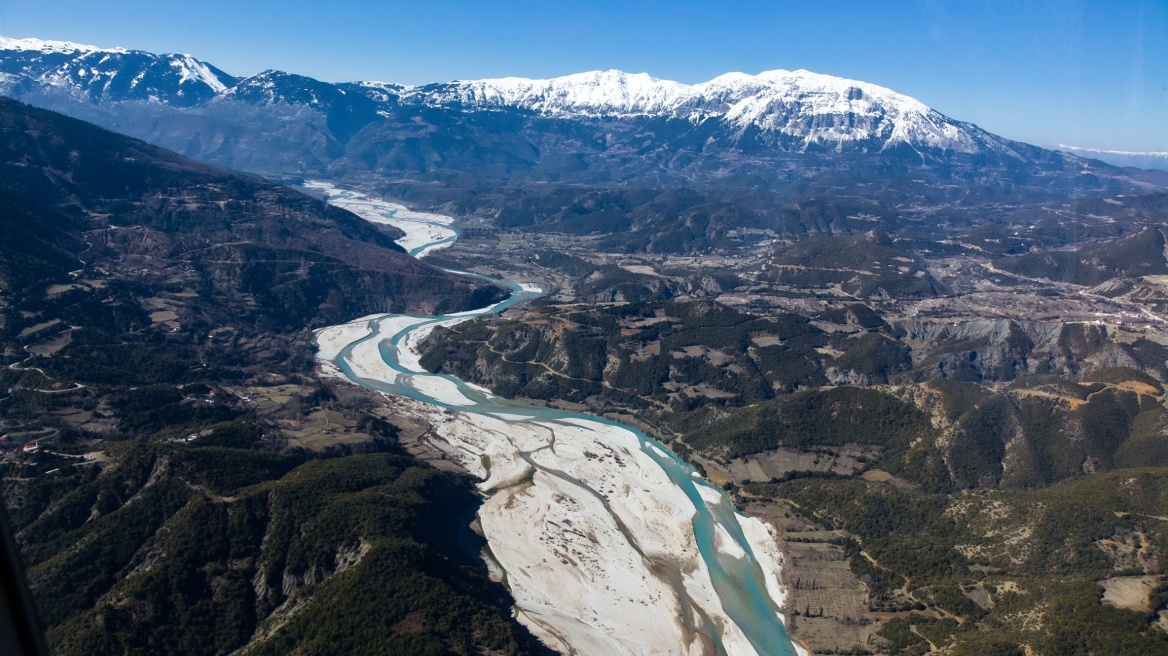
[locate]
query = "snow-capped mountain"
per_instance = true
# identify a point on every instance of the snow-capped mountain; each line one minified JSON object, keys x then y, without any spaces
{"x":1142,"y":160}
{"x":812,"y":108}
{"x":807,"y":109}
{"x":50,"y":47}
{"x":601,"y":126}
{"x":109,"y":74}
{"x":279,"y":87}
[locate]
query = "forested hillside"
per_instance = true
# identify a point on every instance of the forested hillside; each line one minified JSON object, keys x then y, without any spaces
{"x":211,"y":547}
{"x":967,"y":474}
{"x":178,"y":479}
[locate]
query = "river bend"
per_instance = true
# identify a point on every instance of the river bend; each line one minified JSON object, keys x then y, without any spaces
{"x":609,"y":543}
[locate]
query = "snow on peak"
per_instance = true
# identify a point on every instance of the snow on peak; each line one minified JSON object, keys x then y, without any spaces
{"x":44,"y":46}
{"x":383,"y":86}
{"x":1138,"y":159}
{"x":594,"y":92}
{"x":1079,"y":149}
{"x":799,"y":108}
{"x":810,"y":106}
{"x":193,"y":70}
{"x":112,"y":74}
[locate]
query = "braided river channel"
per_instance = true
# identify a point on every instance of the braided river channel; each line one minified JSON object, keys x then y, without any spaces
{"x":608,"y":543}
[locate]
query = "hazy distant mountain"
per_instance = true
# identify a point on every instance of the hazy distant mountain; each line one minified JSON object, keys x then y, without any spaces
{"x":1121,"y":157}
{"x":597,"y":127}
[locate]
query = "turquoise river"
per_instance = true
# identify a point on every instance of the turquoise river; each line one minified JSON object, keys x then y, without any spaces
{"x":729,"y":555}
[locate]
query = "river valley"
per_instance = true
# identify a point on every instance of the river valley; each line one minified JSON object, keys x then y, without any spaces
{"x":608,"y":542}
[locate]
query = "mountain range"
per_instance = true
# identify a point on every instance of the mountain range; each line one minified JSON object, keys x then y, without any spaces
{"x":595,"y":127}
{"x":1149,"y":160}
{"x":931,"y":357}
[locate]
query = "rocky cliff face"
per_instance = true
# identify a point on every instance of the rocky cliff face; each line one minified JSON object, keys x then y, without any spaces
{"x":1011,"y":403}
{"x":1002,"y":350}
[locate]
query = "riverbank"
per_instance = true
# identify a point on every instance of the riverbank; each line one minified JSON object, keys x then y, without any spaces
{"x":609,"y":543}
{"x":425,"y":232}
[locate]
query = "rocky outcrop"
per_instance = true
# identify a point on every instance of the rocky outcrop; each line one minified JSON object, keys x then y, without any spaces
{"x":1002,"y":350}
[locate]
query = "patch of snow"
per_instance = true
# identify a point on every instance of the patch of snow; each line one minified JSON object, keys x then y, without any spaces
{"x":193,"y":70}
{"x":47,"y":46}
{"x":1077,"y":149}
{"x":1145,"y":160}
{"x":805,"y":109}
{"x":810,"y":106}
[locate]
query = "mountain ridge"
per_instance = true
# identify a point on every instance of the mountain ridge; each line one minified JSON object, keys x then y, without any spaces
{"x":743,"y":100}
{"x":812,"y":108}
{"x":92,"y":73}
{"x":1138,"y":159}
{"x":792,"y":132}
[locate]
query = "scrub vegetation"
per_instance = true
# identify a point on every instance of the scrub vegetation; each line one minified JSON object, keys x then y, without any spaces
{"x":178,"y":480}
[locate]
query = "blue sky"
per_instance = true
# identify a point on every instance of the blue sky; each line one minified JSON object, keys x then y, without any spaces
{"x":1091,"y":74}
